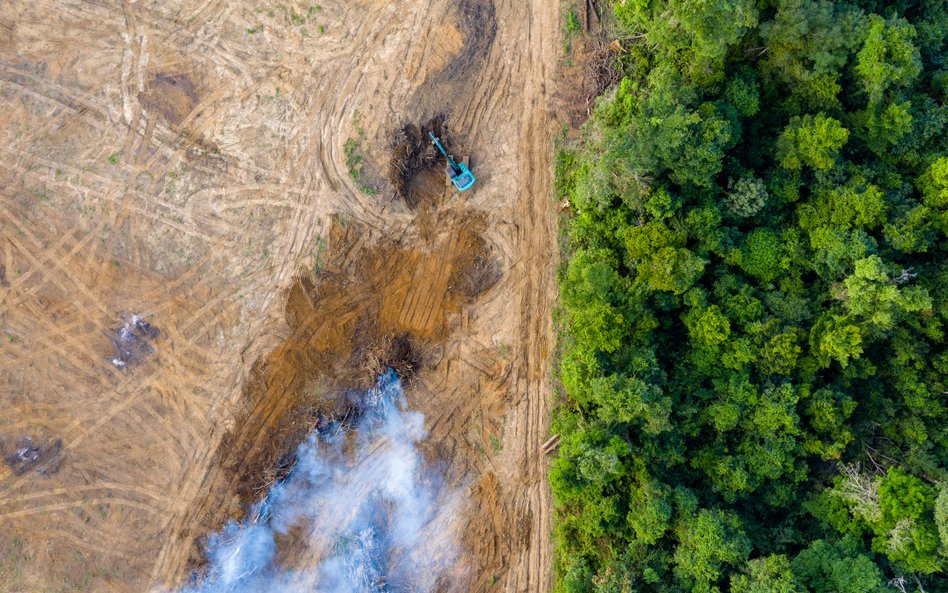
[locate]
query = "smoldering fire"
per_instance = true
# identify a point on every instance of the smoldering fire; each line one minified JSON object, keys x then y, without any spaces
{"x":372,"y":514}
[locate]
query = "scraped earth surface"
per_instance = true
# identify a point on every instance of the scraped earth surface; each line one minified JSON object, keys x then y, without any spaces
{"x":202,"y":249}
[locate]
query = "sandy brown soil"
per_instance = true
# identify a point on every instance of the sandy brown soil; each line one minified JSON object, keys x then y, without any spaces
{"x":186,"y":161}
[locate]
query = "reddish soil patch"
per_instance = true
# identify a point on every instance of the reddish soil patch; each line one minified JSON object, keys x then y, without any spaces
{"x":378,"y":303}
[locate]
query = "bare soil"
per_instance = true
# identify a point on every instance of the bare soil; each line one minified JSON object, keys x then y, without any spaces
{"x":191,"y":278}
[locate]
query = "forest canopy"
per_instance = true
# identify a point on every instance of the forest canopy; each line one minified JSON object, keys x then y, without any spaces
{"x":754,"y":304}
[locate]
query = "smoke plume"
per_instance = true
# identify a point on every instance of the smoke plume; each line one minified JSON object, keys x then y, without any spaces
{"x":361,"y":510}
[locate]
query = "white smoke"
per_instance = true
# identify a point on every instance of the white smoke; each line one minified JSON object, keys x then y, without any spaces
{"x":364,"y":512}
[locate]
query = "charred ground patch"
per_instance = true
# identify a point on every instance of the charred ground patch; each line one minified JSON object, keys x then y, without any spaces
{"x":173,"y":95}
{"x":133,"y":340}
{"x":32,"y":453}
{"x":475,"y":270}
{"x":477,"y":20}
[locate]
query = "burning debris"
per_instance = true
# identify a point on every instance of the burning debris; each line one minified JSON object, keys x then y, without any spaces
{"x":133,"y":340}
{"x":33,"y":453}
{"x":376,"y":518}
{"x":400,"y":353}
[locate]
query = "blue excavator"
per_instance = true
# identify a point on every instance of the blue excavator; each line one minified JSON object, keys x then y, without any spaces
{"x":460,"y":175}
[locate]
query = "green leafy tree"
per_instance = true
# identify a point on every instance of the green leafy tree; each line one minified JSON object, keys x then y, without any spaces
{"x":934,"y":187}
{"x":888,"y":59}
{"x":708,"y":541}
{"x":871,"y":296}
{"x":746,"y":197}
{"x":650,"y":512}
{"x":761,"y":254}
{"x":632,"y":400}
{"x":912,"y":231}
{"x":766,"y":575}
{"x":807,"y":45}
{"x":743,"y":93}
{"x":934,"y":184}
{"x":834,"y":337}
{"x":780,"y":353}
{"x":828,"y":412}
{"x":906,"y":531}
{"x":887,"y":126}
{"x":713,"y":26}
{"x":709,"y":328}
{"x":685,"y":140}
{"x":840,"y":567}
{"x":941,"y":517}
{"x":811,"y":141}
{"x":592,"y":297}
{"x":672,"y":270}
{"x":857,"y":204}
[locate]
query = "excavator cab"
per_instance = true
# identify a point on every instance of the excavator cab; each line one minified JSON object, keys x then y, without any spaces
{"x":458,"y":173}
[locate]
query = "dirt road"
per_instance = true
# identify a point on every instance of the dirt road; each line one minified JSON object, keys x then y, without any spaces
{"x":221,"y":170}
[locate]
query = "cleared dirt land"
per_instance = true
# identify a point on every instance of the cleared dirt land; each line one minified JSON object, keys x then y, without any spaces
{"x":214,"y":216}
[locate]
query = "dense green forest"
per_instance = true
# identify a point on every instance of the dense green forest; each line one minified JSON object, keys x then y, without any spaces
{"x":755,"y":304}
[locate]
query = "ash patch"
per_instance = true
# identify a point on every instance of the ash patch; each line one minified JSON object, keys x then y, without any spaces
{"x":478,"y":20}
{"x":133,"y":340}
{"x":29,"y":453}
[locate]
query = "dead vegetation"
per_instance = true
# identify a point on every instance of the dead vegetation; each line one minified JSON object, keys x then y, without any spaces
{"x":415,"y":166}
{"x":399,"y":353}
{"x":591,"y":65}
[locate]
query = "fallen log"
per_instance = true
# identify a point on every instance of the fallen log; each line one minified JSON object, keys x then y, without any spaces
{"x":550,"y":445}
